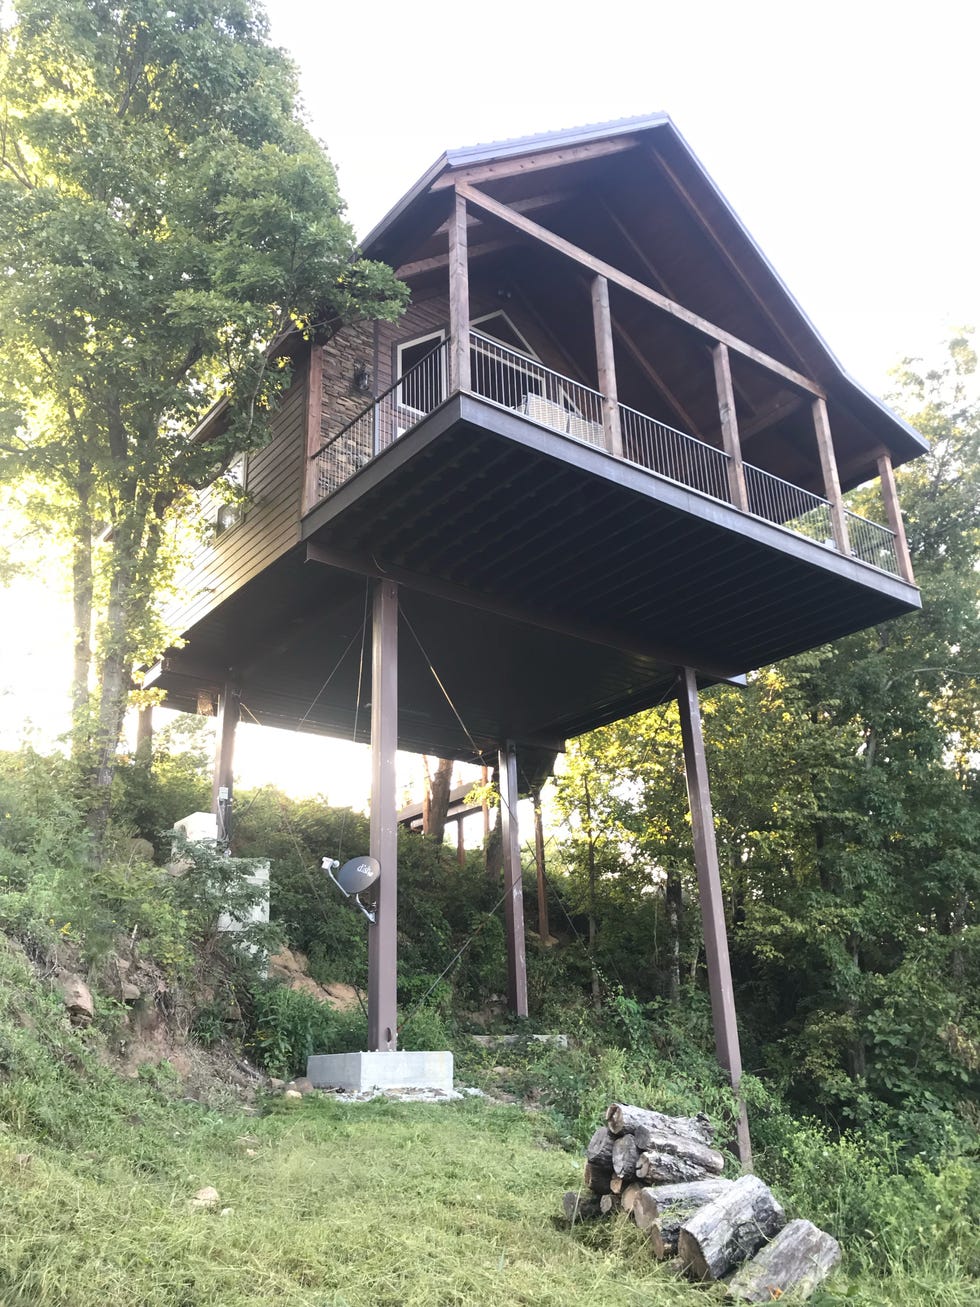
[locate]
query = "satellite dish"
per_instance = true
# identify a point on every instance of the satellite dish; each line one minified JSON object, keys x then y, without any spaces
{"x":354,"y":877}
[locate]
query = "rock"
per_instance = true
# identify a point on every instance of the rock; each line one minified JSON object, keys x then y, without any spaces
{"x":291,"y":967}
{"x":24,"y":1159}
{"x":141,"y":850}
{"x":130,"y":993}
{"x":292,"y":1096}
{"x":77,"y":998}
{"x":302,"y":1085}
{"x":206,"y":1197}
{"x":226,"y":1211}
{"x":276,"y":1084}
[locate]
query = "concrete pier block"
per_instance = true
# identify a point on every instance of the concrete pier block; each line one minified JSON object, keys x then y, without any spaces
{"x":382,"y":1070}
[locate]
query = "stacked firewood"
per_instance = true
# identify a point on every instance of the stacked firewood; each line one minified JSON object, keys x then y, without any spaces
{"x":663,"y":1173}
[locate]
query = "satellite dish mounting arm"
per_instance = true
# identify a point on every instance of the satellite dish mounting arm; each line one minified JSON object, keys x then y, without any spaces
{"x":356,"y":875}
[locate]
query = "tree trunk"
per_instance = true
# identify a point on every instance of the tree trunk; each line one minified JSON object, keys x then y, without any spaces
{"x":729,"y":1230}
{"x":596,"y":993}
{"x":495,"y":842}
{"x":82,"y":589}
{"x":797,"y":1261}
{"x":144,"y":736}
{"x":436,"y":805}
{"x":674,"y":901}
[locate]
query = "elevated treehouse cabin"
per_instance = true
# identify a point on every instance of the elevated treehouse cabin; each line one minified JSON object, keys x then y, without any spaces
{"x":599,"y":460}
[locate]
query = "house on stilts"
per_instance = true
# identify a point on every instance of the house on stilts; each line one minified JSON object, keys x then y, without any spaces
{"x":599,"y":461}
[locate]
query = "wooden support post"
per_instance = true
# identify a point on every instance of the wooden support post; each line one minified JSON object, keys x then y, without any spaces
{"x":382,"y":937}
{"x":729,"y":426}
{"x":709,"y":892}
{"x":831,"y":481}
{"x":893,"y":510}
{"x":459,"y":299}
{"x":314,"y":433}
{"x":544,"y":930}
{"x":460,"y":846}
{"x":514,"y":896}
{"x":606,"y":366}
{"x":485,"y":806}
{"x":222,"y":786}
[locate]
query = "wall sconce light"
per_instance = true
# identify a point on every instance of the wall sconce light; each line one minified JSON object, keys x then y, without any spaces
{"x":362,"y":379}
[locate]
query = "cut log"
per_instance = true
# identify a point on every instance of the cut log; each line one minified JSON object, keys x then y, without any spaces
{"x":661,"y":1141}
{"x":617,"y":1184}
{"x":797,"y":1261}
{"x":630,"y":1195}
{"x":580,"y":1206}
{"x":597,"y":1178}
{"x":654,"y":1167}
{"x":609,"y":1203}
{"x":625,"y":1155}
{"x":729,"y":1229}
{"x":654,"y":1201}
{"x":600,"y":1148}
{"x":622,"y":1118}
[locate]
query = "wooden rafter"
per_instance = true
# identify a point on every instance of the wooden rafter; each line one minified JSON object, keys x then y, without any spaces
{"x":519,"y":164}
{"x":534,"y":230}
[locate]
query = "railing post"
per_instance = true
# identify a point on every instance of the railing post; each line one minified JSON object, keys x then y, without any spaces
{"x":831,"y":481}
{"x":729,"y":426}
{"x":459,"y":299}
{"x":893,"y":511}
{"x":314,"y":434}
{"x":606,"y":366}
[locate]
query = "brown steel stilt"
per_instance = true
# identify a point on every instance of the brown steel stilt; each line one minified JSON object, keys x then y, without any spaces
{"x":712,"y":907}
{"x":222,"y":786}
{"x":382,"y":936}
{"x":514,"y":898}
{"x":544,"y":930}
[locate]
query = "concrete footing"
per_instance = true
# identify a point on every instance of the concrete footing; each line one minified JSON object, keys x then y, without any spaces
{"x":382,"y":1070}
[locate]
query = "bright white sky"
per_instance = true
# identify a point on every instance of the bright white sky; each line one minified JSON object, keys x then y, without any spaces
{"x":845,"y":135}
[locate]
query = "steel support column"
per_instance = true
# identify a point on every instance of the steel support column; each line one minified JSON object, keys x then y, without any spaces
{"x":222,"y":785}
{"x":514,"y":894}
{"x":459,"y":299}
{"x":709,"y":892}
{"x":382,"y":936}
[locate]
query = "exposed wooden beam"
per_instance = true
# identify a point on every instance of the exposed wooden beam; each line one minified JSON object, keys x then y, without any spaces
{"x":831,"y":480}
{"x":409,"y":270}
{"x":534,"y":230}
{"x":459,"y":300}
{"x":663,"y":655}
{"x":606,"y":366}
{"x":656,"y":379}
{"x":656,"y":277}
{"x":781,"y":407}
{"x":207,"y":675}
{"x":729,"y":427}
{"x":520,"y":164}
{"x":526,"y":205}
{"x":727,"y":255}
{"x":893,"y":510}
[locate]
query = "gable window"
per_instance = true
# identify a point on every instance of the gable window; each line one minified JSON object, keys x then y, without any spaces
{"x":421,"y":369}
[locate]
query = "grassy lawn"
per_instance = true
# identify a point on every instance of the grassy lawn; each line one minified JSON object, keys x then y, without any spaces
{"x":332,"y":1205}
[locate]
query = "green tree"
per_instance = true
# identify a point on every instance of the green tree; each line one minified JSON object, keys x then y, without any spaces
{"x":166,"y":222}
{"x":845,"y":789}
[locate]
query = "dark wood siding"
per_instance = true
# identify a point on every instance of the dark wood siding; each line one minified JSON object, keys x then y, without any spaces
{"x":219,"y":566}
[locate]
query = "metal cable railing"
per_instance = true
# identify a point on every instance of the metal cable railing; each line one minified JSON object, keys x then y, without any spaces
{"x":505,"y":377}
{"x":872,"y":543}
{"x":404,"y":404}
{"x":673,"y":454}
